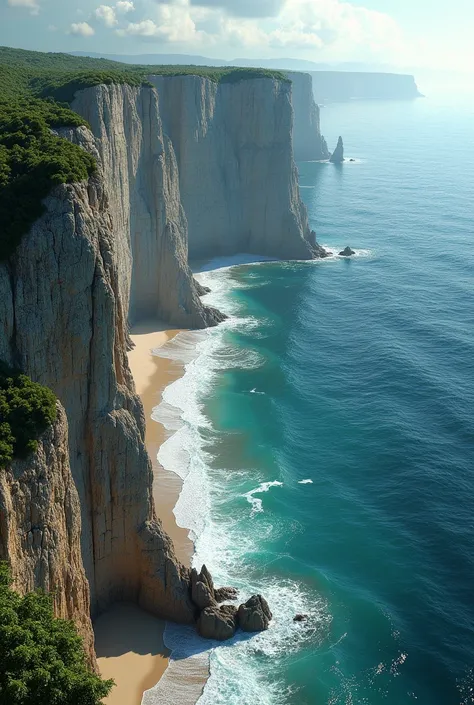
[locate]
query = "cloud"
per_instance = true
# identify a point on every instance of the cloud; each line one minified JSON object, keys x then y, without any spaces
{"x":81,"y":29}
{"x":172,"y":23}
{"x":244,"y":8}
{"x":329,"y":30}
{"x":31,"y":5}
{"x":124,"y":6}
{"x":106,"y":14}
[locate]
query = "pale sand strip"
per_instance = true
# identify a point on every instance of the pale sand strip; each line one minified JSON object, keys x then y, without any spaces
{"x":129,"y":642}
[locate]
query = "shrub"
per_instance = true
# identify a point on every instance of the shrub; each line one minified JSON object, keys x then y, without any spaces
{"x":26,"y":411}
{"x":32,"y":162}
{"x":42,"y":659}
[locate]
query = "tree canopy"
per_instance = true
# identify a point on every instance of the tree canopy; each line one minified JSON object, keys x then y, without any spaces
{"x":42,"y":659}
{"x":26,"y":410}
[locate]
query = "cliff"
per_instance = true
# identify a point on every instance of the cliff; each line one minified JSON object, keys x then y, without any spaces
{"x":334,"y":86}
{"x":308,"y":142}
{"x":40,"y":528}
{"x":237,"y":175}
{"x":64,"y":324}
{"x":187,"y":156}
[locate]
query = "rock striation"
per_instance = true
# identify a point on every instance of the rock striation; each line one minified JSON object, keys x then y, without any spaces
{"x":40,"y":528}
{"x":63,"y":322}
{"x":337,"y":157}
{"x":237,"y":176}
{"x":308,"y":142}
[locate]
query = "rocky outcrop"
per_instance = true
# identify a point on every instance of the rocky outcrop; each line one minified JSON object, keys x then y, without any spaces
{"x":218,"y":623}
{"x":337,"y":157}
{"x":308,"y":142}
{"x":225,"y":593}
{"x":40,"y":528}
{"x":202,"y":588}
{"x":346,"y":252}
{"x":254,"y":615}
{"x":221,"y":622}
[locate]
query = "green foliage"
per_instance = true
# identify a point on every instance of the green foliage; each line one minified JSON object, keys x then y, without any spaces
{"x":26,"y":411}
{"x":42,"y":659}
{"x":32,"y":162}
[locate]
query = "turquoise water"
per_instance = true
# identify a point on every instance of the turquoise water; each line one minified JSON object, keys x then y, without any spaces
{"x":329,"y":428}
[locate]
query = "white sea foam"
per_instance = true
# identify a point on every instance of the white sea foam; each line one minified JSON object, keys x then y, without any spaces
{"x":305,"y":482}
{"x":256,"y":502}
{"x":235,"y":678}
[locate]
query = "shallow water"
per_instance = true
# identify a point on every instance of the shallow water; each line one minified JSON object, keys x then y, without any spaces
{"x":326,"y":435}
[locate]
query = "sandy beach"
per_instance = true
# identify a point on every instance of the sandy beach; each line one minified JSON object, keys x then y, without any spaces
{"x":129,"y":642}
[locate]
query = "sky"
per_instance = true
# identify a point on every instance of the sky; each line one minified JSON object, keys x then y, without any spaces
{"x":401,"y":33}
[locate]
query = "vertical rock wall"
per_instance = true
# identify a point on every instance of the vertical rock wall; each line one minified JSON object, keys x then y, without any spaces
{"x":40,"y":528}
{"x":237,"y":175}
{"x":64,"y":324}
{"x":308,"y":142}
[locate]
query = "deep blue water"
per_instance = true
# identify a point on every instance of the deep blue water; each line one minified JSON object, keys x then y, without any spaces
{"x":359,"y":377}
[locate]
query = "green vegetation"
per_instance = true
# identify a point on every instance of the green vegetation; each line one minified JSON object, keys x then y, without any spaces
{"x":32,"y":161}
{"x":26,"y":411}
{"x":35,"y":92}
{"x":42,"y":659}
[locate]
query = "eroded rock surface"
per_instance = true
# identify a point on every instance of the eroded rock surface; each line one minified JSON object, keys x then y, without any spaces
{"x":254,"y":615}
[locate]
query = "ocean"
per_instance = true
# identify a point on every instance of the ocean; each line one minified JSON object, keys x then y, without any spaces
{"x":325,"y":432}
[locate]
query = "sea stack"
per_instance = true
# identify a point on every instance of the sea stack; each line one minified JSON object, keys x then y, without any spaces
{"x":337,"y":156}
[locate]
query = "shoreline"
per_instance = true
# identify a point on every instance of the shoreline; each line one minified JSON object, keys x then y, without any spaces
{"x":130,"y":642}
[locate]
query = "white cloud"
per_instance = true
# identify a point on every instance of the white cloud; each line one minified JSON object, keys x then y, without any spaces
{"x":106,"y":14}
{"x":172,"y":23}
{"x":124,"y":6}
{"x":81,"y":29}
{"x":31,"y":5}
{"x":329,"y":30}
{"x":52,"y":28}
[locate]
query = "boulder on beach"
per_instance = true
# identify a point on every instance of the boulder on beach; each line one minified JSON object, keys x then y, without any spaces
{"x":218,"y":623}
{"x":337,"y":156}
{"x":255,"y":615}
{"x":346,"y":252}
{"x":225,"y":593}
{"x":202,"y":588}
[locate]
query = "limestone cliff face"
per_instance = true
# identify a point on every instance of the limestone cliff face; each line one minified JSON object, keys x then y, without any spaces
{"x":308,"y":142}
{"x":237,"y":175}
{"x":63,"y":322}
{"x":40,"y":528}
{"x":148,"y":221}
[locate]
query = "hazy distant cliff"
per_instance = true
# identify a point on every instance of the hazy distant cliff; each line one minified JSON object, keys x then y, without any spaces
{"x":346,"y":85}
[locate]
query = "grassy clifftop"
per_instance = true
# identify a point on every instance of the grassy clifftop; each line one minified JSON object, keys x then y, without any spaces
{"x":35,"y":92}
{"x":35,"y":73}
